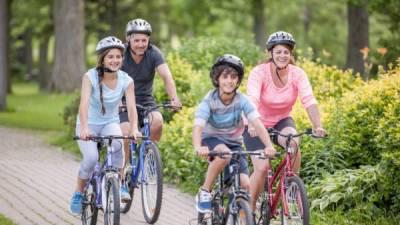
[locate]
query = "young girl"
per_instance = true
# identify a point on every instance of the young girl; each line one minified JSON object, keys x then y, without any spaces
{"x":102,"y":90}
{"x":219,"y":124}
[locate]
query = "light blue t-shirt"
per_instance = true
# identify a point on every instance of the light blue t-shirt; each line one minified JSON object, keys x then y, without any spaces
{"x":224,"y":122}
{"x":111,"y":98}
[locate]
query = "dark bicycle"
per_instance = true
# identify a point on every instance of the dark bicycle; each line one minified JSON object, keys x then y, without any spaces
{"x":102,"y":189}
{"x":289,"y":201}
{"x":230,"y":203}
{"x":145,"y":170}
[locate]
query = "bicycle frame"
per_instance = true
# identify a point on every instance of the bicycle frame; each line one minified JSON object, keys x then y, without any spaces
{"x":139,"y":167}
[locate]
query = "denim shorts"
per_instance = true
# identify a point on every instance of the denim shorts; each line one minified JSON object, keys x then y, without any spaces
{"x":211,"y":142}
{"x":255,"y":143}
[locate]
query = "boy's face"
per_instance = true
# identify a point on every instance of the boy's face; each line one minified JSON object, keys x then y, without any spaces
{"x":228,"y":81}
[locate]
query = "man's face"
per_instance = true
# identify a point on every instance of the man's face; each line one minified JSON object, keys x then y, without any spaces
{"x":139,"y":43}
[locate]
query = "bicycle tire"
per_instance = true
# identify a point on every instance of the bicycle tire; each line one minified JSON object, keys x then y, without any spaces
{"x":112,"y":208}
{"x":202,"y":220}
{"x":297,"y":202}
{"x":263,"y":207}
{"x":244,"y":215}
{"x":125,"y":206}
{"x":217,"y":213}
{"x":89,"y":209}
{"x":152,"y":189}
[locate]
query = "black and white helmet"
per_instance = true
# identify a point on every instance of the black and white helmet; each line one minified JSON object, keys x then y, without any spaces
{"x":109,"y":42}
{"x":280,"y":37}
{"x":139,"y":26}
{"x":230,"y":60}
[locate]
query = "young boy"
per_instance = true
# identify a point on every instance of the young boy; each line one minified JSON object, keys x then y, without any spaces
{"x":219,"y":124}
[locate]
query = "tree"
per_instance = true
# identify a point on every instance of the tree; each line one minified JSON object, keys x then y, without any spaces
{"x":69,"y":62}
{"x":4,"y":34}
{"x":358,"y":37}
{"x":259,"y":22}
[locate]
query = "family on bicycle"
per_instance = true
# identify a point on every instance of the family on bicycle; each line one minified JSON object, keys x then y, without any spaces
{"x":224,"y":119}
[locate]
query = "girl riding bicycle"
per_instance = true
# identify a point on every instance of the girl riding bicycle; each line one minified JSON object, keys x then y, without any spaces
{"x":102,"y":90}
{"x":273,"y":87}
{"x":219,"y":124}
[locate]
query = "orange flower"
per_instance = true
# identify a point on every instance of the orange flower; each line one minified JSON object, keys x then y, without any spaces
{"x":364,"y":51}
{"x":382,"y":51}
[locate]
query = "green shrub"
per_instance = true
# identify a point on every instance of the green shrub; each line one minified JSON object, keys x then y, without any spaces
{"x":201,"y":52}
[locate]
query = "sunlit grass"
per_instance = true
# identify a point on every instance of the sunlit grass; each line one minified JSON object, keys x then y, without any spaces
{"x":5,"y":221}
{"x":28,"y":108}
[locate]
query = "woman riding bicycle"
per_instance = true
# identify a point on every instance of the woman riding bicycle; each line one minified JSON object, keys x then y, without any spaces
{"x":219,"y":124}
{"x":102,"y":90}
{"x":273,"y":87}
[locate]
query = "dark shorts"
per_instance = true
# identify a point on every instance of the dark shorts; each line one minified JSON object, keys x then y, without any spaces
{"x":145,"y":101}
{"x":255,"y":143}
{"x":212,"y":142}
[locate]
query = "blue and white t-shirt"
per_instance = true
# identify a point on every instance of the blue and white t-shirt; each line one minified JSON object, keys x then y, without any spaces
{"x":224,"y":122}
{"x":111,"y":98}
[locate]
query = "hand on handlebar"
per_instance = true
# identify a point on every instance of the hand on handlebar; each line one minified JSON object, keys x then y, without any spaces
{"x":84,"y":133}
{"x":320,"y":132}
{"x":135,"y":133}
{"x":202,"y":151}
{"x":176,"y":104}
{"x":270,"y":151}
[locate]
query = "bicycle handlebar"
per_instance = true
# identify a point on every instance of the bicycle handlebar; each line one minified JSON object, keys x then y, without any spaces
{"x":101,"y":138}
{"x":308,"y":131}
{"x":151,"y":108}
{"x":261,"y":154}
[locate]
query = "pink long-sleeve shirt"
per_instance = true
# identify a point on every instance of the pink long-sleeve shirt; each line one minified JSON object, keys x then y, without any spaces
{"x":274,"y":103}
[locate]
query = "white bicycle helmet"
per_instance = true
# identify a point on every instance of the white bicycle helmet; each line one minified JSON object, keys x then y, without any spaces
{"x":109,"y":42}
{"x":280,"y":37}
{"x":139,"y":26}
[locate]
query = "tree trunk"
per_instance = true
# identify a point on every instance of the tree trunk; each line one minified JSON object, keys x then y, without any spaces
{"x":44,"y":75}
{"x":69,"y":62}
{"x":27,"y":53}
{"x":259,"y":29}
{"x":4,"y":61}
{"x":113,"y":17}
{"x":306,"y":23}
{"x":358,"y":37}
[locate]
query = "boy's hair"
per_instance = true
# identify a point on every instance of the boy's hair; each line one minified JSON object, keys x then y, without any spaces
{"x":228,"y":62}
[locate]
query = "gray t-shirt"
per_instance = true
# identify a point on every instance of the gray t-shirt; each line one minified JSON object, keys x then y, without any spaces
{"x":143,"y":73}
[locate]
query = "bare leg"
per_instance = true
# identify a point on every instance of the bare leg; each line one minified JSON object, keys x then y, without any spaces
{"x":125,"y":132}
{"x":296,"y":161}
{"x":215,"y":167}
{"x":257,"y":179}
{"x":80,"y":185}
{"x":156,"y":121}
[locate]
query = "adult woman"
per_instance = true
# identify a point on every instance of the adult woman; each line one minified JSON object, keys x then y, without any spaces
{"x":102,"y":90}
{"x":273,"y":87}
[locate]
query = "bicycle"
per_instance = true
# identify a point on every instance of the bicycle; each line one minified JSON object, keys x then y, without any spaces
{"x":290,"y":191}
{"x":229,"y":203}
{"x":102,"y":189}
{"x":145,"y":170}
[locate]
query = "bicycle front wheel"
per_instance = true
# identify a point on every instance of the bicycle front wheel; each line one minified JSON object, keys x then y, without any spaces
{"x":297,"y":202}
{"x":112,"y":207}
{"x":152,"y":186}
{"x":89,"y":209}
{"x":242,"y":215}
{"x":262,"y":207}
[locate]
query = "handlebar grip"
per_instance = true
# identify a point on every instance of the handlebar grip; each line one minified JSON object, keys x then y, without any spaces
{"x":76,"y":138}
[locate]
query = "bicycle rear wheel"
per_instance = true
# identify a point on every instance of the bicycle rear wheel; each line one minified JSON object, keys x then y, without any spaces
{"x":89,"y":209}
{"x":243,"y":216}
{"x":152,"y":187}
{"x":297,"y":202}
{"x":112,"y":207}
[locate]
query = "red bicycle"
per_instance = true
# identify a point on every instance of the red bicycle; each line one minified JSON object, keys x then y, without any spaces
{"x":289,"y":201}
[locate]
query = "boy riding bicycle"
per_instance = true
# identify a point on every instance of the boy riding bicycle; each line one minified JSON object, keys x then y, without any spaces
{"x":219,"y":124}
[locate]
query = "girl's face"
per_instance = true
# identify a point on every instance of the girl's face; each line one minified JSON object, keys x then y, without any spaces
{"x":139,"y":43}
{"x":113,"y":59}
{"x":281,"y":55}
{"x":228,"y":81}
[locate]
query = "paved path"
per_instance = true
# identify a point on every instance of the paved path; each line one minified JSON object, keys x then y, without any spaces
{"x":37,"y":181}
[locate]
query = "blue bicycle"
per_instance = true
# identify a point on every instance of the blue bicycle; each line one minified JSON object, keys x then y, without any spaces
{"x":144,"y":170}
{"x":102,"y":189}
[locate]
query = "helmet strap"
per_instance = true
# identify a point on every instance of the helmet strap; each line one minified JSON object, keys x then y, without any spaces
{"x":108,"y":70}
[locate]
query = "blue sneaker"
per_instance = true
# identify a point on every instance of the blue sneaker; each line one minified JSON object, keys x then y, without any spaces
{"x":203,"y":201}
{"x":125,"y":196}
{"x":76,"y":204}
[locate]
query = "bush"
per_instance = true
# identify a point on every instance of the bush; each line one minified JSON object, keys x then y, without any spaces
{"x":201,"y":52}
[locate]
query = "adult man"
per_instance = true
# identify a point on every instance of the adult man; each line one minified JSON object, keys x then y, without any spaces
{"x":141,"y":60}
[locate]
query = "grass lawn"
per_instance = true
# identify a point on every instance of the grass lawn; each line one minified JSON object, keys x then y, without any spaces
{"x":5,"y":221}
{"x":28,"y":108}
